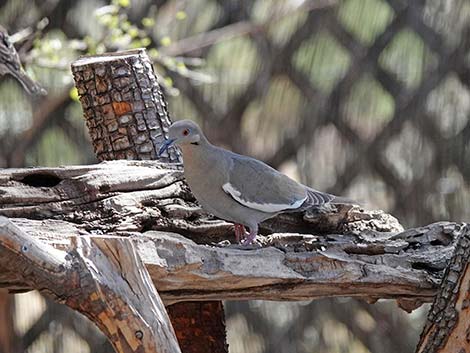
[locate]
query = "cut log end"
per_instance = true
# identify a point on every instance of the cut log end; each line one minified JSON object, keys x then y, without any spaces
{"x":101,"y":58}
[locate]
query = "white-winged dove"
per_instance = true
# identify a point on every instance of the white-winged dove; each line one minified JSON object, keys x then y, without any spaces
{"x":237,"y":188}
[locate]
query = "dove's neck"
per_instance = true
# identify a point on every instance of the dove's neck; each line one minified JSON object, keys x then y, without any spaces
{"x":200,"y":161}
{"x":196,"y":153}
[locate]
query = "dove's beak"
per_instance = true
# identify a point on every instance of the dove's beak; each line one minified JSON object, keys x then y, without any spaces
{"x":165,"y":146}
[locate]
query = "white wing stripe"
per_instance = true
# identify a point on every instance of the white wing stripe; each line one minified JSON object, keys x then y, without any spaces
{"x":265,"y":207}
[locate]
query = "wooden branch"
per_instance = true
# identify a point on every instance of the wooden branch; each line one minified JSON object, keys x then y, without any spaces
{"x":448,"y":324}
{"x":103,"y":279}
{"x":343,"y":252}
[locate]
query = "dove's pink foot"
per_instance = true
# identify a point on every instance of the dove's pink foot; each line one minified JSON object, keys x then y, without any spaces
{"x":240,"y":232}
{"x":250,"y":238}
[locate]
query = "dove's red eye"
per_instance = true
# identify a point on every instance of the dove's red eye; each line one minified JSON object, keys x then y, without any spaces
{"x":186,"y":132}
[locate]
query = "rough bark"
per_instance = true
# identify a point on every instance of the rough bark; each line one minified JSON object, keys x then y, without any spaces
{"x":346,"y":251}
{"x":127,"y":118}
{"x":447,"y":329}
{"x":125,"y":112}
{"x":103,"y":279}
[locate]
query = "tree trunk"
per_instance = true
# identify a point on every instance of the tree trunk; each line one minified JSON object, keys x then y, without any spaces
{"x":196,"y":329}
{"x":127,"y":118}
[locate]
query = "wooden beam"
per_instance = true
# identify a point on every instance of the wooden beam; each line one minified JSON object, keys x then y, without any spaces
{"x":288,"y":267}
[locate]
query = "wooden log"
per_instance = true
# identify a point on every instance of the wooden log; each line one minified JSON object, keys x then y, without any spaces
{"x":104,"y":280}
{"x":290,"y":267}
{"x":447,"y":328}
{"x":137,"y":196}
{"x":127,"y":118}
{"x":348,"y":251}
{"x":123,"y":104}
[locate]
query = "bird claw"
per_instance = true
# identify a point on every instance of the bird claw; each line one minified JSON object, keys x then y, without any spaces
{"x":242,"y":236}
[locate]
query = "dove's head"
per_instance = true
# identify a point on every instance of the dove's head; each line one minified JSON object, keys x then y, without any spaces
{"x":183,"y":132}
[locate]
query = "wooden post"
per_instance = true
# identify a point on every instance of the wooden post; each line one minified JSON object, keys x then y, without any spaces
{"x":199,"y":326}
{"x":447,"y":328}
{"x":127,"y":118}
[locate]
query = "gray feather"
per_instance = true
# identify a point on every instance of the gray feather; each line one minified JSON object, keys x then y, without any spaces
{"x":259,"y":183}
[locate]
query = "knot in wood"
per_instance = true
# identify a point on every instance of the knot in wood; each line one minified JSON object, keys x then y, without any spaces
{"x":139,"y":334}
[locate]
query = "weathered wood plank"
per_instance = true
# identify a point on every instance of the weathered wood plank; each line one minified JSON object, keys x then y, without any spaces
{"x":290,"y":267}
{"x":145,"y":195}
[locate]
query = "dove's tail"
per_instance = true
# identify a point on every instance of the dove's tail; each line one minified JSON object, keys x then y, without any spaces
{"x":314,"y":199}
{"x":317,"y":198}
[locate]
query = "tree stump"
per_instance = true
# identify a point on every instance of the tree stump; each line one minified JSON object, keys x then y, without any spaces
{"x":127,"y":117}
{"x":123,"y":105}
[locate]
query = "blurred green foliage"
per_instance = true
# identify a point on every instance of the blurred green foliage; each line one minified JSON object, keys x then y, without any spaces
{"x":323,"y":60}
